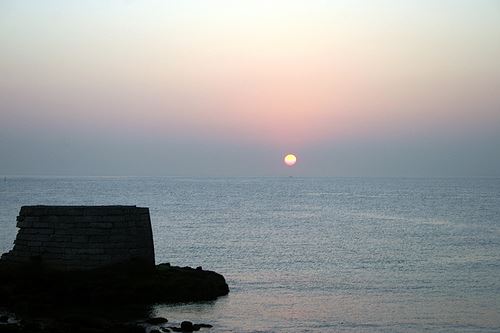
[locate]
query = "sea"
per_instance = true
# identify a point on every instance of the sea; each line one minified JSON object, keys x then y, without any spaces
{"x":311,"y":254}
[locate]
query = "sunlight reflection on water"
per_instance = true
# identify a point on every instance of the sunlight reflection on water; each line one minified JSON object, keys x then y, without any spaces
{"x":315,"y":254}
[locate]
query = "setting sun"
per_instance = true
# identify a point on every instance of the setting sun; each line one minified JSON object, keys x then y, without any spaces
{"x":290,"y":159}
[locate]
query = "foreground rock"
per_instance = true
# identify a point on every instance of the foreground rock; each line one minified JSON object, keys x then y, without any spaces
{"x":33,"y":287}
{"x":82,"y":324}
{"x":91,"y":269}
{"x":187,"y":326}
{"x":101,"y":300}
{"x":157,"y":321}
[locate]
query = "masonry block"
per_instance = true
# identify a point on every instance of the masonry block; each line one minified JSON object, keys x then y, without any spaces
{"x":82,"y":237}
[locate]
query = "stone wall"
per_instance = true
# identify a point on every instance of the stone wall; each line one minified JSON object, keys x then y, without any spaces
{"x":82,"y":237}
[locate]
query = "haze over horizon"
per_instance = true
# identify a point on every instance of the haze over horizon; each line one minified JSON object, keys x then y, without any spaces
{"x":227,"y":88}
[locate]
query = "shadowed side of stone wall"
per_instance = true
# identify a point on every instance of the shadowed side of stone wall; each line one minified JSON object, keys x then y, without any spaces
{"x":82,"y":237}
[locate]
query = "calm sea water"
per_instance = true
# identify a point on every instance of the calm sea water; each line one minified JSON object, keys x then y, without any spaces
{"x":312,"y":254}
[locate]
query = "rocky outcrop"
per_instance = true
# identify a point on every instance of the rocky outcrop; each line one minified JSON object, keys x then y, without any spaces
{"x":37,"y":288}
{"x":70,"y":260}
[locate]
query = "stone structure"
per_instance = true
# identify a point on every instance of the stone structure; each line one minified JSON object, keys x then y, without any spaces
{"x":82,"y":237}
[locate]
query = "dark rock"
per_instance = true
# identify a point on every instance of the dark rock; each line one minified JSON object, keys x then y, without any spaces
{"x":31,"y":326}
{"x":4,"y":319}
{"x":85,"y":321}
{"x":187,"y":326}
{"x":9,"y":328}
{"x":155,"y":331}
{"x":36,"y":288}
{"x":125,"y":328}
{"x":199,"y":268}
{"x":65,"y":301}
{"x":133,"y":329}
{"x":163,"y":329}
{"x":157,"y":321}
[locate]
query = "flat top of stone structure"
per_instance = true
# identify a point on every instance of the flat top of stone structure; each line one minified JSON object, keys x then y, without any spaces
{"x":81,"y":210}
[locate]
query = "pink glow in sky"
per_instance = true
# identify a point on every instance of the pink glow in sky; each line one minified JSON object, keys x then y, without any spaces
{"x":270,"y":76}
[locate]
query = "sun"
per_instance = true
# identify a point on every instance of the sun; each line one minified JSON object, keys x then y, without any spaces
{"x":290,"y":159}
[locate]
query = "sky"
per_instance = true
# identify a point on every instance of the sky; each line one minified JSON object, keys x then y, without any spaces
{"x":227,"y":88}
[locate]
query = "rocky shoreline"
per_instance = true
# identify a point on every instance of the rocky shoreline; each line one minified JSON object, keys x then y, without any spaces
{"x":116,"y":298}
{"x":9,"y":323}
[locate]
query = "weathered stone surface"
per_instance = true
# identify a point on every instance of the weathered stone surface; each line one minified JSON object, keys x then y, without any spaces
{"x":82,"y":237}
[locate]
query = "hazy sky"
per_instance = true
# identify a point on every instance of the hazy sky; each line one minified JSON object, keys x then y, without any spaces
{"x":354,"y":88}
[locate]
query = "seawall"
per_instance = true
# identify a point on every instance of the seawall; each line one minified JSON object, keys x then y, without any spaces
{"x":82,"y":237}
